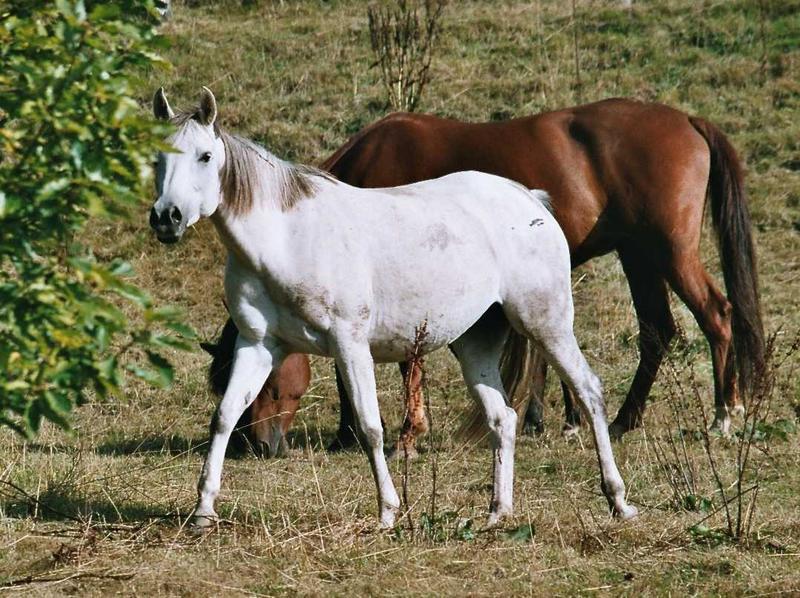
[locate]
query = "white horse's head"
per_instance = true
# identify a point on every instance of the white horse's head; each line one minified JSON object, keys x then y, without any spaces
{"x":187,"y":180}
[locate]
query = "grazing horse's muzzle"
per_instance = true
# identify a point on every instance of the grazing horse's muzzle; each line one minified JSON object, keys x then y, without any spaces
{"x":169,"y":225}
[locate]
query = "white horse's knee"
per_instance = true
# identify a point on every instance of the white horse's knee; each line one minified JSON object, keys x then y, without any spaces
{"x":228,"y":414}
{"x":596,"y":386}
{"x":503,"y":425}
{"x":590,"y":393}
{"x":224,"y":421}
{"x":373,"y":433}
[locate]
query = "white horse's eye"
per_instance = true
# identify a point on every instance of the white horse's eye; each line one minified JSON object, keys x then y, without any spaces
{"x":205,"y":157}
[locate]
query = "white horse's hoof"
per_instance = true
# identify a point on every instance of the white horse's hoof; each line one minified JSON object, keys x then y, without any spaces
{"x":388,"y":516}
{"x":626,"y":512}
{"x":569,"y":432}
{"x":202,"y":522}
{"x":721,"y":426}
{"x":496,"y":517}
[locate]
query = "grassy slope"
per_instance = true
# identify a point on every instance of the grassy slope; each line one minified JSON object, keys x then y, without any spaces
{"x":295,"y":76}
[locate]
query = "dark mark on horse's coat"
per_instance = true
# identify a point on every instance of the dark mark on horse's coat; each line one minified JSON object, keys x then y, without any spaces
{"x":537,"y":222}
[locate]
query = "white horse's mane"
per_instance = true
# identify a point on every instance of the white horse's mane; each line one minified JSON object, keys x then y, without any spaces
{"x":251,"y":172}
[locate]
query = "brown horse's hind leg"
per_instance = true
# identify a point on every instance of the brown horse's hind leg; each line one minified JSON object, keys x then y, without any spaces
{"x":534,"y":420}
{"x":712,"y":310}
{"x":572,"y":414}
{"x":346,"y":434}
{"x":415,"y":423}
{"x":656,"y":329}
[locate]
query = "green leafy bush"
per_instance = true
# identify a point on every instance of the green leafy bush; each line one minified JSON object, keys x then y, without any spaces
{"x":74,"y":144}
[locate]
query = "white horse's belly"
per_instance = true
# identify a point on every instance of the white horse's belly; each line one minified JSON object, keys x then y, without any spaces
{"x":437,"y":308}
{"x":393,"y":340}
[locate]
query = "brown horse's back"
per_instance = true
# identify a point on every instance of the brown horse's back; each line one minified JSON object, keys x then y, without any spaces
{"x":609,"y":167}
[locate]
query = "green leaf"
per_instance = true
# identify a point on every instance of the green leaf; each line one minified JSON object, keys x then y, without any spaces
{"x":465,"y":530}
{"x":150,"y":376}
{"x":162,"y":314}
{"x":52,"y":187}
{"x":58,"y":402}
{"x":15,"y":385}
{"x":171,"y":342}
{"x":184,"y":330}
{"x":32,"y":418}
{"x":103,"y":11}
{"x":165,"y":370}
{"x":121,"y":268}
{"x":693,"y":502}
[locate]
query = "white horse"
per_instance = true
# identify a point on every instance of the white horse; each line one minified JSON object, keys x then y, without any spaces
{"x":317,"y":266}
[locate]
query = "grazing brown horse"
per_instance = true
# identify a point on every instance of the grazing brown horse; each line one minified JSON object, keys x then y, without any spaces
{"x":264,"y":425}
{"x":624,"y":176}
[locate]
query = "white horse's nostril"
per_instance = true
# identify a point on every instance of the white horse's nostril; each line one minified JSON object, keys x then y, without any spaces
{"x":175,"y":215}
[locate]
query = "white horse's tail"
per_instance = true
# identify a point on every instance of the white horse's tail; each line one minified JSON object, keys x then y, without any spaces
{"x":544,"y":198}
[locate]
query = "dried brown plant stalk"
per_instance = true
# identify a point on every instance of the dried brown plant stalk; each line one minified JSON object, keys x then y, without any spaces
{"x":414,"y":359}
{"x":402,"y":38}
{"x":688,"y":412}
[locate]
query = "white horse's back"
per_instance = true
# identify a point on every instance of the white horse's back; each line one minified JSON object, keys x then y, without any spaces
{"x":440,"y":252}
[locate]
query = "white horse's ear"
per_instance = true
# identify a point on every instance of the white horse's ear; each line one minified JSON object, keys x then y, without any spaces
{"x":161,"y":107}
{"x":208,"y":108}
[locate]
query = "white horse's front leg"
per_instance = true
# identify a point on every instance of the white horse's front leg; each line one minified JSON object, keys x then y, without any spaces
{"x":358,"y":370}
{"x":252,"y":364}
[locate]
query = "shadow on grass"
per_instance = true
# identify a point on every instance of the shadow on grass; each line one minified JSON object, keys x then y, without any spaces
{"x":65,"y":504}
{"x":163,"y":445}
{"x":239,"y":446}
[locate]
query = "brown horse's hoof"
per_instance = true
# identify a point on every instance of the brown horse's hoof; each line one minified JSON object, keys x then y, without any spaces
{"x":398,"y":452}
{"x":617,"y":430}
{"x":533,"y":428}
{"x":342,"y":442}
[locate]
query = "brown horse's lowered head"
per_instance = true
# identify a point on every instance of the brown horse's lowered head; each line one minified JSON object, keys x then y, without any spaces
{"x":263,"y":426}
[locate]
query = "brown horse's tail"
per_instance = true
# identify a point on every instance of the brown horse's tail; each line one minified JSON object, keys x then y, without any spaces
{"x":731,"y":219}
{"x":515,"y":372}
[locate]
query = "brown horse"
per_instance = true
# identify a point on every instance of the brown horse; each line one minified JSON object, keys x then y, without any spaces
{"x":624,"y":176}
{"x":264,"y":425}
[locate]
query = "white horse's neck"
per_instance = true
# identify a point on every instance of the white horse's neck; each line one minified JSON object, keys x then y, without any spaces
{"x":259,"y":193}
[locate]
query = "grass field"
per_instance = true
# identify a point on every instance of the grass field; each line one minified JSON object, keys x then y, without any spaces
{"x":103,"y":511}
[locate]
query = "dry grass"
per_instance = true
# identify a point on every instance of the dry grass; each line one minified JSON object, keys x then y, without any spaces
{"x":103,"y":511}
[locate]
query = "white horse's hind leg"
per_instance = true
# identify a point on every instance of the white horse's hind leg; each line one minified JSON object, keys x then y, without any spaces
{"x":358,"y":371}
{"x":478,"y":351}
{"x":566,"y":358}
{"x":251,"y":367}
